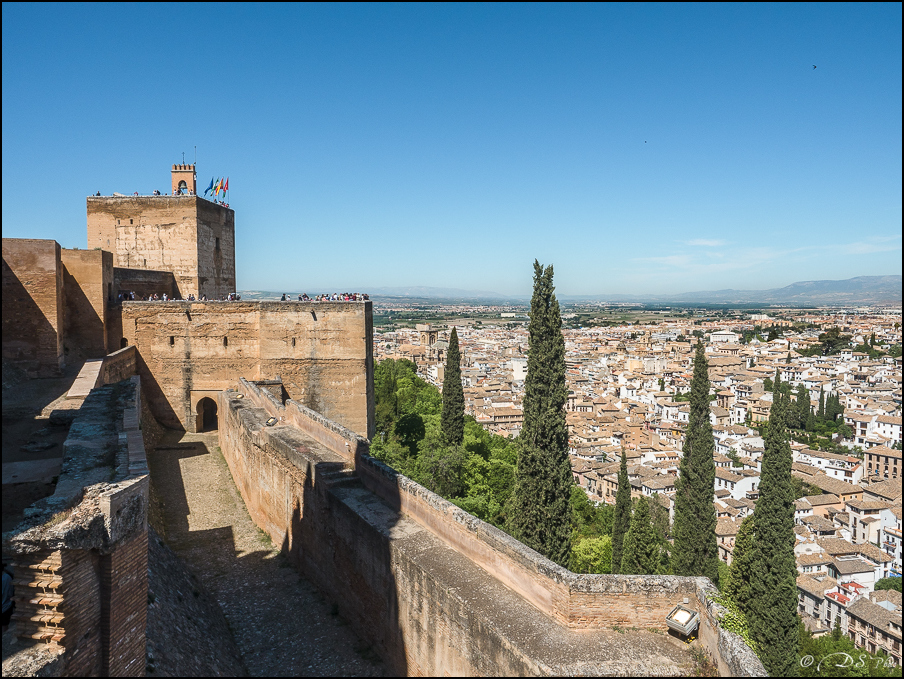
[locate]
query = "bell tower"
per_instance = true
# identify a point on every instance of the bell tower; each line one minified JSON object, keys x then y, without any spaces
{"x":185,"y":180}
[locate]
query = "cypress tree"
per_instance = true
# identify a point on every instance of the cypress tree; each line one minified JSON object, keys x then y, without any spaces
{"x":540,"y":514}
{"x":821,"y":412}
{"x":695,"y":551}
{"x":739,"y":573}
{"x":622,"y":521}
{"x":802,"y":409}
{"x":453,"y":418}
{"x":640,"y":554}
{"x":773,"y":611}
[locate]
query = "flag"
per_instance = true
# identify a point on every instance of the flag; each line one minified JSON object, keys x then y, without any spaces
{"x":226,"y":185}
{"x":216,"y":189}
{"x":209,"y":188}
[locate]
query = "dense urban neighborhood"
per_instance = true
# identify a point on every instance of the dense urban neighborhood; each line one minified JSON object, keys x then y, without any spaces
{"x":627,"y":395}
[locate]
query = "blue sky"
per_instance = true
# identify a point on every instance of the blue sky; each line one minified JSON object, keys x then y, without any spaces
{"x":638,"y":148}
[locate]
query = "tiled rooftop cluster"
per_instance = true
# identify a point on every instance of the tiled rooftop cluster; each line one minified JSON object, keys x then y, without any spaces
{"x":623,"y":382}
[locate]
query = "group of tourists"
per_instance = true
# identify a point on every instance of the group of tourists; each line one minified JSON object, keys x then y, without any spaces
{"x":335,"y":297}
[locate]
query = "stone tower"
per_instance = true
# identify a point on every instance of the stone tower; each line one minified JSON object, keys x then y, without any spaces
{"x":185,"y":180}
{"x":190,"y":236}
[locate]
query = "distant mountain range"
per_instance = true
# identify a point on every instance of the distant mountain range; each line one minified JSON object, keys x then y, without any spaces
{"x":859,"y":290}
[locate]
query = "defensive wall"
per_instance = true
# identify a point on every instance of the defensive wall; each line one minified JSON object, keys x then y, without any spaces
{"x":321,"y":352}
{"x":33,"y":309}
{"x":188,"y":235}
{"x":80,"y":556}
{"x":55,"y":300}
{"x":87,"y":292}
{"x":434,"y":589}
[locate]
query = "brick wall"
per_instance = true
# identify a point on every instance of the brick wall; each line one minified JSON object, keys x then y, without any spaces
{"x":80,"y":559}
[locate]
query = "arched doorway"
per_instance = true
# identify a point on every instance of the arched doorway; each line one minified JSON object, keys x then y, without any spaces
{"x":207,"y":414}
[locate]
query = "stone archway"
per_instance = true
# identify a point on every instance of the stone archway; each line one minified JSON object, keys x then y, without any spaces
{"x":206,"y":413}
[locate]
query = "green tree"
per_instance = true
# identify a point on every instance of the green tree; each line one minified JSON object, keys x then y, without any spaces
{"x":540,"y":511}
{"x":773,"y":335}
{"x":453,"y":396}
{"x":802,"y":406}
{"x":592,"y":555}
{"x":821,"y":409}
{"x":738,"y":587}
{"x":622,"y":521}
{"x":773,"y":613}
{"x":767,"y":384}
{"x":889,"y":583}
{"x":640,"y":553}
{"x":695,"y":551}
{"x":440,"y":468}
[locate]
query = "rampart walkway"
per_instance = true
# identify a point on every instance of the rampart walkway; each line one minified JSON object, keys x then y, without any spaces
{"x":281,"y":624}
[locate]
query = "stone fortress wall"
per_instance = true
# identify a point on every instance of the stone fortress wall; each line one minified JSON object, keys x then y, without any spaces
{"x":192,"y":237}
{"x":80,"y":557}
{"x":321,"y":351}
{"x":33,"y":308}
{"x":435,"y":589}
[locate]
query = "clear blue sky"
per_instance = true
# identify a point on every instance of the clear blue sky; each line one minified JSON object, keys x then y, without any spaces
{"x":638,"y":148}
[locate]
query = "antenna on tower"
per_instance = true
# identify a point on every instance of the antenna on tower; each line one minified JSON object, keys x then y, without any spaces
{"x":196,"y":154}
{"x":183,"y":157}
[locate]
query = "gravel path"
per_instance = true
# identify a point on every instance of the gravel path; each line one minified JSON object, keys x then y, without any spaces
{"x":280,"y":622}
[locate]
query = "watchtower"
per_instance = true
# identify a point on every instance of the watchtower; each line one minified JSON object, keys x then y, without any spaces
{"x":185,"y":180}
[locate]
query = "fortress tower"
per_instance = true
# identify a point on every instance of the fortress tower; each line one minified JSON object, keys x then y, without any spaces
{"x":190,"y":236}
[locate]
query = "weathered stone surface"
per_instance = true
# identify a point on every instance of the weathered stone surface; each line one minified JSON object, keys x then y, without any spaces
{"x":33,"y":305}
{"x":321,"y":351}
{"x":187,"y":235}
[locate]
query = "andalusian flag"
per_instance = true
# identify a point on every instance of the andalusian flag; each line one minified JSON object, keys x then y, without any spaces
{"x":218,"y":187}
{"x":209,"y":188}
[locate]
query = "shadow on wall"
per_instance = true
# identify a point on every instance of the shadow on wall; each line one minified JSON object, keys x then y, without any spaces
{"x":85,"y":332}
{"x":29,"y":339}
{"x":351,"y":563}
{"x":269,"y":608}
{"x":156,"y":399}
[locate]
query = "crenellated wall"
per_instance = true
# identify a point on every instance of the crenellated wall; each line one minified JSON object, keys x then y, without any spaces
{"x":436,"y":590}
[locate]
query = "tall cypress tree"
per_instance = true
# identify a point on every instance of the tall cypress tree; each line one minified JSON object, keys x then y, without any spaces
{"x":540,"y":514}
{"x":696,"y":551}
{"x":622,"y":521}
{"x":640,"y":555}
{"x":802,"y":406}
{"x":453,"y":419}
{"x":739,"y":573}
{"x":773,"y":610}
{"x":821,"y":412}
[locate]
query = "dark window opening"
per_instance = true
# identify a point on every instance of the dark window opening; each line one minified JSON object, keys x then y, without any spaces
{"x":123,"y":343}
{"x":293,"y":341}
{"x":131,"y":222}
{"x":217,"y":246}
{"x":172,"y":340}
{"x":225,"y":341}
